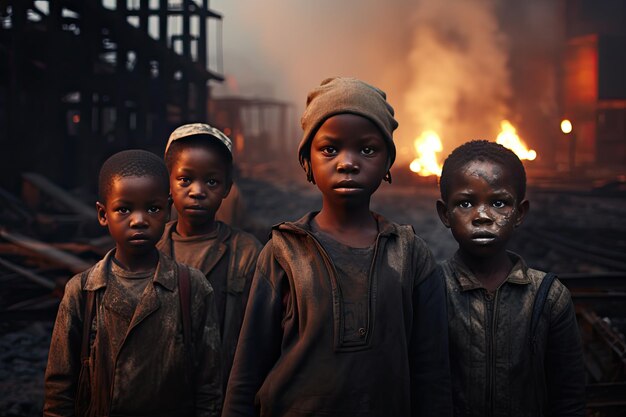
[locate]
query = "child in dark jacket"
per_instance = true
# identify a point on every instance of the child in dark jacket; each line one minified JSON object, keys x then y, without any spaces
{"x":200,"y":164}
{"x":133,"y":357}
{"x":345,"y":317}
{"x":500,"y":367}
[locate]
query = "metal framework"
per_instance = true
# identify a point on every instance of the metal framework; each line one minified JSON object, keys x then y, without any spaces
{"x":81,"y":79}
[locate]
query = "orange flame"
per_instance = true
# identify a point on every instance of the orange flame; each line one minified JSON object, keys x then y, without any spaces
{"x":428,"y":145}
{"x":508,"y":138}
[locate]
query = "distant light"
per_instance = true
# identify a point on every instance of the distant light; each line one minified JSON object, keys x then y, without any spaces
{"x":532,"y":155}
{"x":566,"y":126}
{"x":227,"y":131}
{"x":76,"y":118}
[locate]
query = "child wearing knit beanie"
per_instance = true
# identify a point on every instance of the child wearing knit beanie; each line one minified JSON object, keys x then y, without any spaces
{"x":346,"y":314}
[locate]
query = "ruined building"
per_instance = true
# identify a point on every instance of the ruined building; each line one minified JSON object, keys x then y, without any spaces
{"x":82,"y":79}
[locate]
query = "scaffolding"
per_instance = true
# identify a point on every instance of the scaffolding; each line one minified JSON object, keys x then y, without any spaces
{"x":81,"y":79}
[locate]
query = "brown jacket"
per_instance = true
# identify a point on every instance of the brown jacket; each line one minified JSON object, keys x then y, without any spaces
{"x":146,"y":374}
{"x":234,"y":258}
{"x":291,"y":359}
{"x":495,"y":371}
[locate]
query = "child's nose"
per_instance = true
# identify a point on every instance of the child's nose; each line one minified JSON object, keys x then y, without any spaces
{"x":138,"y":219}
{"x":196,"y":191}
{"x":347,"y":163}
{"x":482,"y":216}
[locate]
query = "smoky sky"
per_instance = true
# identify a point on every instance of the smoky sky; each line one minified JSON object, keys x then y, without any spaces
{"x":455,"y":66}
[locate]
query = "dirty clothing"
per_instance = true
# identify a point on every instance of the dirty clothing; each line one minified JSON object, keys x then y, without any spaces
{"x":495,"y":370}
{"x":227,"y":260}
{"x":137,"y":359}
{"x":293,"y":358}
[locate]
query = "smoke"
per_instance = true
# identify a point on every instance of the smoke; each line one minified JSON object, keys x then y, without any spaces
{"x":460,"y":82}
{"x":445,"y":64}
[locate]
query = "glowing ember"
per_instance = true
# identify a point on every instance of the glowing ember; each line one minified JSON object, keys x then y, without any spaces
{"x":428,"y":145}
{"x":509,"y":139}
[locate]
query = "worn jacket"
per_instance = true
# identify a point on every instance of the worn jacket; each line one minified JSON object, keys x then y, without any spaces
{"x":235,"y":258}
{"x":146,"y":375}
{"x":291,"y":359}
{"x":496,"y":370}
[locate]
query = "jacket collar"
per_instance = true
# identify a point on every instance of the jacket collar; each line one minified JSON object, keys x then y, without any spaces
{"x":468,"y":281}
{"x":164,"y":275}
{"x":303,"y":225}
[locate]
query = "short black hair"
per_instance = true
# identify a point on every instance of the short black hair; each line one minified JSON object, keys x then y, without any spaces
{"x":483,"y":150}
{"x":131,"y":163}
{"x":200,"y":141}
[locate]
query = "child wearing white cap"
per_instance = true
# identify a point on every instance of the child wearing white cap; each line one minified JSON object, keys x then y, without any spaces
{"x":200,"y":164}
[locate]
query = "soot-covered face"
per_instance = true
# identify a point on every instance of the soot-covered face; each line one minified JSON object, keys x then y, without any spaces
{"x":482,"y":208}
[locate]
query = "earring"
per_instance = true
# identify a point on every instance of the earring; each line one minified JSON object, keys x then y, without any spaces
{"x":387,"y":177}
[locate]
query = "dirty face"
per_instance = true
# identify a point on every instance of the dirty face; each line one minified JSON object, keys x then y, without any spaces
{"x":482,"y":208}
{"x":198,"y":183}
{"x":135,"y":212}
{"x":349,"y":159}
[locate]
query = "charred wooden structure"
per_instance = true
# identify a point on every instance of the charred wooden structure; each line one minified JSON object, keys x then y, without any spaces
{"x":81,"y":79}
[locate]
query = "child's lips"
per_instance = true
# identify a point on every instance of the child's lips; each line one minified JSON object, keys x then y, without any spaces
{"x":347,"y":186}
{"x":196,"y":208}
{"x":483,"y":238}
{"x":139,"y":238}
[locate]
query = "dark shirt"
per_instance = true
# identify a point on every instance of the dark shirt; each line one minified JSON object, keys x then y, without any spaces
{"x":191,"y":251}
{"x":353,"y":266}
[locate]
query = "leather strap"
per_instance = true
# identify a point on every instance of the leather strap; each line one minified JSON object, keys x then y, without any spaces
{"x":184,"y":293}
{"x":540,"y":301}
{"x":87,"y":318}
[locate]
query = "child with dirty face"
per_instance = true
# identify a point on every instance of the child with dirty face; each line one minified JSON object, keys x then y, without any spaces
{"x":129,"y":358}
{"x":500,"y":366}
{"x":345,"y":316}
{"x":200,"y":164}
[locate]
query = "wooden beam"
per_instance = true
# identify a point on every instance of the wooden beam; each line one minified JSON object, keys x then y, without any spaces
{"x":59,"y":194}
{"x":46,"y":251}
{"x":30,"y":275}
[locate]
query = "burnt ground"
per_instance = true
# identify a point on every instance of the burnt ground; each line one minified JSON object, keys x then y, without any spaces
{"x":565,"y":232}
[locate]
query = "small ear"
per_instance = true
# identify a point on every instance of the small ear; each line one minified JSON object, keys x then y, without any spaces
{"x":442,"y":211}
{"x":522,"y":210}
{"x":102,"y":214}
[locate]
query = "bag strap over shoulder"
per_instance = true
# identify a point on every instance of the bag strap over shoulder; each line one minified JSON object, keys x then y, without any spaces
{"x":87,"y":317}
{"x":184,"y":292}
{"x":540,"y":301}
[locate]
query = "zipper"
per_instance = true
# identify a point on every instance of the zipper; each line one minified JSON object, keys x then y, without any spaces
{"x":492,"y":303}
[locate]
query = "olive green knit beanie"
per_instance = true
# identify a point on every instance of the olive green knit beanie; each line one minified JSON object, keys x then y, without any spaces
{"x":345,"y":95}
